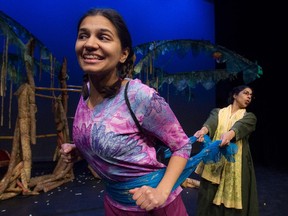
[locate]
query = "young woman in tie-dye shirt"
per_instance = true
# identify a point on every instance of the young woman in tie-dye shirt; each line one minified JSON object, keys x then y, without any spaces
{"x":105,"y":134}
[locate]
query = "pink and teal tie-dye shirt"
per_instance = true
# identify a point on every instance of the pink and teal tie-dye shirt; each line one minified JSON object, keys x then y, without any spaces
{"x":109,"y":139}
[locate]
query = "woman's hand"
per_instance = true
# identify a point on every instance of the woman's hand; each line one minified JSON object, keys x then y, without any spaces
{"x":69,"y":153}
{"x":226,"y":138}
{"x":200,"y":134}
{"x":148,"y":198}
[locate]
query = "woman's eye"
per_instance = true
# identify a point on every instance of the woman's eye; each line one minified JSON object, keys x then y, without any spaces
{"x":103,"y":37}
{"x":247,"y":93}
{"x":82,"y":36}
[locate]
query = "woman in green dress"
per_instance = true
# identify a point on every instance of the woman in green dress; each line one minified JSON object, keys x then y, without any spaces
{"x":229,"y":188}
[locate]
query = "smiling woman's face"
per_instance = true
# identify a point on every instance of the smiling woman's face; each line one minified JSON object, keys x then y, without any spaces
{"x":98,"y":47}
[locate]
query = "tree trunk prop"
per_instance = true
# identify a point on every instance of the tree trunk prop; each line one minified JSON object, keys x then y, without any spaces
{"x":18,"y":179}
{"x":63,"y":172}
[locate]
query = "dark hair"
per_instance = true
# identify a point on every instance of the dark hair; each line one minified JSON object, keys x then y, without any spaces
{"x":236,"y":90}
{"x":125,"y":69}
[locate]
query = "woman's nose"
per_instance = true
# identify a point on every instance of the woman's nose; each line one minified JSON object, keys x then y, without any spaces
{"x":91,"y":44}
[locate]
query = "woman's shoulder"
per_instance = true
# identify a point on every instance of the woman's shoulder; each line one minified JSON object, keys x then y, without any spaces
{"x":250,"y":114}
{"x":216,"y":110}
{"x":140,"y":89}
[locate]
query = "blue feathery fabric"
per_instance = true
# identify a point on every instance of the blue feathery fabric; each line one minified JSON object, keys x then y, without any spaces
{"x":210,"y":153}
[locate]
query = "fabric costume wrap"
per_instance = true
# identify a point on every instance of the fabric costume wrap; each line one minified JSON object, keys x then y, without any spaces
{"x":227,"y":175}
{"x":211,"y":153}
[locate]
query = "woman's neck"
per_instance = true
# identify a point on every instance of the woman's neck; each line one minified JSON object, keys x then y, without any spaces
{"x":94,"y":100}
{"x":102,"y":87}
{"x":234,"y":108}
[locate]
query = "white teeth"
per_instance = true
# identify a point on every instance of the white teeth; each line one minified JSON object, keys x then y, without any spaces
{"x":91,"y":57}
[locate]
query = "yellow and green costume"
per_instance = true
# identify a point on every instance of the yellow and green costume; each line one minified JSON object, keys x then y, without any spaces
{"x":229,"y":188}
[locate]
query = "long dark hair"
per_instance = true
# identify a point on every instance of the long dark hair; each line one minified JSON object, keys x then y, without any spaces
{"x":125,"y":69}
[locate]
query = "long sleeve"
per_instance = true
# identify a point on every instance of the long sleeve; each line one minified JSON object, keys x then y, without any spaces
{"x":245,"y":126}
{"x":212,"y":121}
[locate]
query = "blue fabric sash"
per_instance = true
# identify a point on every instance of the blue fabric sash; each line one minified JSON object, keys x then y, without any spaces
{"x":210,"y":153}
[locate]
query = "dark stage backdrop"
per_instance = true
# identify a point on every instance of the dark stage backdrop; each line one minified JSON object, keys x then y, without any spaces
{"x":255,"y":29}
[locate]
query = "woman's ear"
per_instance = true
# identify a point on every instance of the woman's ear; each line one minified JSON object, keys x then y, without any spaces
{"x":125,"y":54}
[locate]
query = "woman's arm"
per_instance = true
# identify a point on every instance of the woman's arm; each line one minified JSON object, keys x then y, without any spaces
{"x":209,"y":126}
{"x":149,"y":198}
{"x":244,"y":126}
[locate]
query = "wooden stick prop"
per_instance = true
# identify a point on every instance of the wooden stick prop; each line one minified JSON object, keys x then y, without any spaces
{"x":58,"y":89}
{"x":24,"y":124}
{"x":37,"y":136}
{"x":10,"y":102}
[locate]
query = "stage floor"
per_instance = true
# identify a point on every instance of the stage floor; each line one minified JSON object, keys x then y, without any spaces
{"x":84,"y":195}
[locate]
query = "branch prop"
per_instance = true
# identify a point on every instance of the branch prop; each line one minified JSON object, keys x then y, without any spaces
{"x":18,"y":35}
{"x":156,"y":74}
